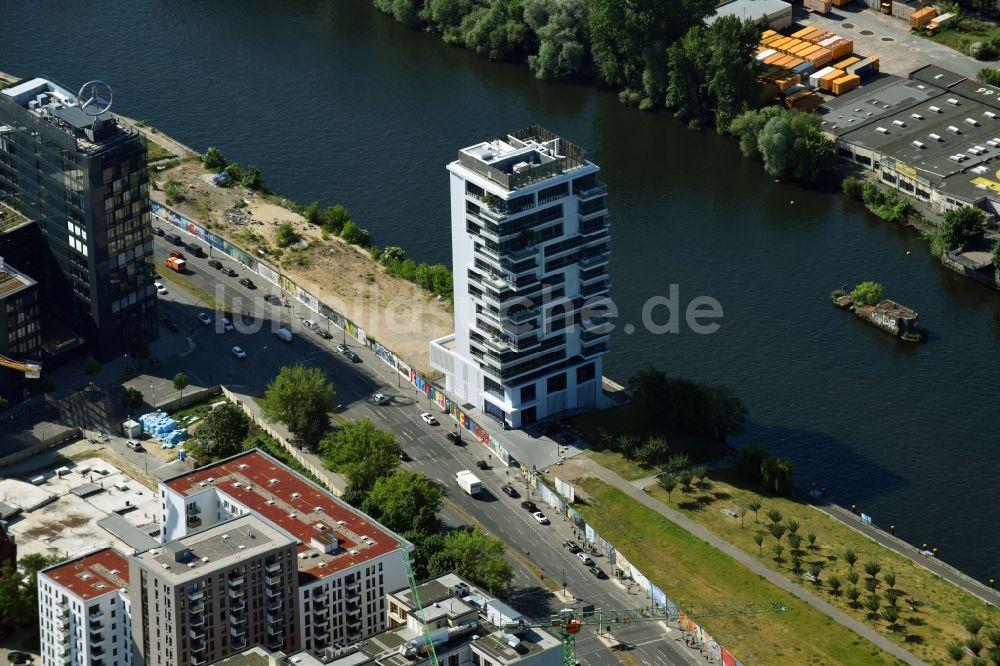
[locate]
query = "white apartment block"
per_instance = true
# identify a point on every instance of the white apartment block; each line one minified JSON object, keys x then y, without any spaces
{"x":530,"y":243}
{"x":83,"y":611}
{"x":346,"y":561}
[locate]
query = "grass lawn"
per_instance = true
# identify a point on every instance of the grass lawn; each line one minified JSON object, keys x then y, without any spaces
{"x":155,"y":151}
{"x":690,"y":570}
{"x":628,"y":420}
{"x":196,"y":291}
{"x":940,"y":605}
{"x":966,"y":32}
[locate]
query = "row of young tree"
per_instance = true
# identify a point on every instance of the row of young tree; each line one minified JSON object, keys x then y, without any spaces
{"x":368,"y":458}
{"x":19,"y":589}
{"x":435,"y":278}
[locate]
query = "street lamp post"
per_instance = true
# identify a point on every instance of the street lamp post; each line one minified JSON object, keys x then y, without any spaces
{"x":152,"y":392}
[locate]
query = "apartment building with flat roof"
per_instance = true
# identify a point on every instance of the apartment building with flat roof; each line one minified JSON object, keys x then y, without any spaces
{"x":214,"y":593}
{"x":530,"y":239}
{"x":83,"y":611}
{"x":346,"y":562}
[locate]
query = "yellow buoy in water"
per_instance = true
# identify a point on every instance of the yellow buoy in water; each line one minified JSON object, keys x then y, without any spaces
{"x":907,"y":253}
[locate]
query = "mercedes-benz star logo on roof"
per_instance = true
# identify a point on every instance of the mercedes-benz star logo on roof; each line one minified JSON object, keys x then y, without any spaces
{"x":94,"y":98}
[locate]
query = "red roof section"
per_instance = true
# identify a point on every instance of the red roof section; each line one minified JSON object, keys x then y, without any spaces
{"x":94,"y":575}
{"x":266,"y":487}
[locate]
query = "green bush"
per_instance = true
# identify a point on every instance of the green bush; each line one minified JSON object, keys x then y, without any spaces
{"x":285,"y":234}
{"x":852,"y":187}
{"x":354,"y":234}
{"x":867,"y":293}
{"x":174,"y":191}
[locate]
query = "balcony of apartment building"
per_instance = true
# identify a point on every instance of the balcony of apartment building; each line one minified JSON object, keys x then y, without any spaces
{"x":196,"y":607}
{"x":237,"y":617}
{"x":238,"y":604}
{"x":198,"y":645}
{"x":196,"y":619}
{"x":595,"y":288}
{"x":97,"y":652}
{"x":236,"y":580}
{"x":196,"y":634}
{"x":274,"y":603}
{"x":273,"y":592}
{"x":588,"y":188}
{"x":96,"y":635}
{"x":595,"y":227}
{"x":593,"y":259}
{"x":238,"y":643}
{"x":196,"y":595}
{"x":64,"y":620}
{"x":353,"y":588}
{"x":198,"y":659}
{"x":272,"y":579}
{"x":275,"y":567}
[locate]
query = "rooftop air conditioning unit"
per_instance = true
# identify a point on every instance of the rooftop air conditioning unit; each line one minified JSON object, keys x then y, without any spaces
{"x":952,"y":128}
{"x":899,"y":123}
{"x":918,"y":144}
{"x":881,"y":130}
{"x":953,"y":101}
{"x":296,"y":495}
{"x":972,"y":121}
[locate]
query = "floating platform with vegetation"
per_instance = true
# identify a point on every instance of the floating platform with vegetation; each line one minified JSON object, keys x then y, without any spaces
{"x":867,"y":304}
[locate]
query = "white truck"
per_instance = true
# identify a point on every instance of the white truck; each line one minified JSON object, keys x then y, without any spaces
{"x":468,"y":481}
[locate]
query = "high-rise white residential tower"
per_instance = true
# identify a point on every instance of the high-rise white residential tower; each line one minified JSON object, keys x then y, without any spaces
{"x":530,"y":245}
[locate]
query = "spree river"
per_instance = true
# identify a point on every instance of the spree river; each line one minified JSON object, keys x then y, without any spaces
{"x":338,"y":103}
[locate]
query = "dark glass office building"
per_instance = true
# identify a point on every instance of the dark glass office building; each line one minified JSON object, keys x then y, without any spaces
{"x":82,"y":179}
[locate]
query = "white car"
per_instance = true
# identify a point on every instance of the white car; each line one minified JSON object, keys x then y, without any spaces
{"x":226,"y":324}
{"x":309,"y":323}
{"x":204,"y":319}
{"x":161,"y":289}
{"x":585,"y":558}
{"x":540,"y":517}
{"x":380,"y":399}
{"x":239,"y":353}
{"x":429,"y":418}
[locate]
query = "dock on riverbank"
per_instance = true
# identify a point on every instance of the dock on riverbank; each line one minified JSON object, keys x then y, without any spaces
{"x":891,"y":317}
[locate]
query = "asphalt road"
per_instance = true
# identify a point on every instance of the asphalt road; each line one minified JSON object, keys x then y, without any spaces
{"x":210,"y":360}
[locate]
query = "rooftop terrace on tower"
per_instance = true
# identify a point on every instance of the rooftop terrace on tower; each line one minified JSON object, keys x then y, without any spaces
{"x":523,"y":157}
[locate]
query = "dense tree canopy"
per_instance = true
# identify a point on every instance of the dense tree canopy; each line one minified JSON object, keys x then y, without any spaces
{"x":19,"y":589}
{"x":475,"y":555}
{"x":788,"y":142}
{"x":221,"y":434}
{"x":961,"y":228}
{"x":563,"y":44}
{"x":300,"y":397}
{"x":682,"y":405}
{"x":406,"y":502}
{"x":363,"y":454}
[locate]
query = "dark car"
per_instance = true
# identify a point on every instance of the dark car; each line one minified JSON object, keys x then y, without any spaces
{"x":404,"y":456}
{"x":272,"y":299}
{"x":482,"y":464}
{"x":529,"y":506}
{"x":572,"y":546}
{"x":215,"y":263}
{"x":248,"y":283}
{"x":175,"y":253}
{"x":454,"y":438}
{"x":195,"y":249}
{"x":173,"y":238}
{"x":158,"y":231}
{"x":509,"y":491}
{"x":598,"y":572}
{"x":170,"y":325}
{"x":230,"y":272}
{"x":322,"y":333}
{"x":351,"y":355}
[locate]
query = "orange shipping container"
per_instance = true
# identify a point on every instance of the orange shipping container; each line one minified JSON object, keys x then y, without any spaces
{"x":812,"y":48}
{"x":799,"y":34}
{"x":780,"y":44}
{"x":785,"y":83}
{"x":820,"y":58}
{"x":845,"y":84}
{"x":784,"y":62}
{"x":819,"y":36}
{"x":840,"y":3}
{"x":847,"y":62}
{"x":808,"y":103}
{"x":826,"y":82}
{"x":841,"y":49}
{"x":804,"y":46}
{"x":771,"y":40}
{"x":768,"y":33}
{"x":770,"y":60}
{"x":794,"y":63}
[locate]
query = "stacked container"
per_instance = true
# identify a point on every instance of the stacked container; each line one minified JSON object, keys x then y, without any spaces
{"x":865,"y":67}
{"x":826,"y":81}
{"x":845,"y":84}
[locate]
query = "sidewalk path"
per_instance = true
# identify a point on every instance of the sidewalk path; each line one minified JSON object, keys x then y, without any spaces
{"x":777,"y":579}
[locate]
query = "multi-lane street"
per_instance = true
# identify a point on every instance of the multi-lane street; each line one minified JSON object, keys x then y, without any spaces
{"x":209,"y":360}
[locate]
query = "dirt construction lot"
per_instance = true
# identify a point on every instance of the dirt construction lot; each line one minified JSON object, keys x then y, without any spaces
{"x":394,"y":311}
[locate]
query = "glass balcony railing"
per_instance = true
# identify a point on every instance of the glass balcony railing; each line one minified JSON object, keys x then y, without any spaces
{"x":593,"y":259}
{"x":592,"y":191}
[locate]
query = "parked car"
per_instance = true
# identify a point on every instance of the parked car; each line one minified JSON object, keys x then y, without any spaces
{"x":428,"y":418}
{"x":204,"y":319}
{"x":215,"y":263}
{"x":322,"y":333}
{"x":342,"y":349}
{"x":161,"y":289}
{"x":229,"y":272}
{"x":272,"y":299}
{"x":226,"y":324}
{"x":354,"y":357}
{"x":238,"y":352}
{"x":509,"y":491}
{"x":170,"y":325}
{"x":529,"y":505}
{"x":248,"y":283}
{"x":380,"y":399}
{"x":455,"y":438}
{"x":598,"y":572}
{"x":173,"y":239}
{"x":583,"y":557}
{"x":158,"y":231}
{"x":482,"y":464}
{"x":176,"y":255}
{"x":134,"y":445}
{"x":309,"y":323}
{"x":572,"y":546}
{"x":195,"y":249}
{"x":540,"y":518}
{"x":404,"y":456}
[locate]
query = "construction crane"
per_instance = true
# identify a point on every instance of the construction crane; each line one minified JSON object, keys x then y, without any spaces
{"x":428,"y":647}
{"x":569,"y":622}
{"x":30,"y":369}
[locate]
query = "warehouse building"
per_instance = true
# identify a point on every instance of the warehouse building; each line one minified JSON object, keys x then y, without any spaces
{"x":776,"y":14}
{"x":934,"y":136}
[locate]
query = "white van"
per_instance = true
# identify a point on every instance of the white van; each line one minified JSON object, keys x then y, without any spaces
{"x":284,"y":334}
